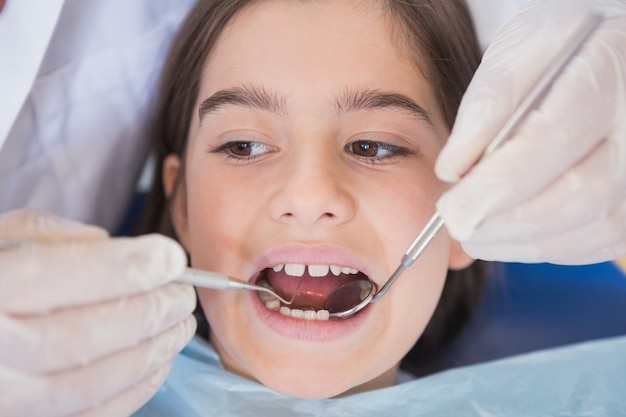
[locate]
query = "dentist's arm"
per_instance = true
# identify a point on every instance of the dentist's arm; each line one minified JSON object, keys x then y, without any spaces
{"x":88,"y":324}
{"x":556,"y":192}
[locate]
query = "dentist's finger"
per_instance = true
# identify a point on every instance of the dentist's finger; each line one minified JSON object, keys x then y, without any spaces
{"x":32,"y":225}
{"x":537,"y":155}
{"x":510,"y":67}
{"x":584,"y":194}
{"x":83,"y":388}
{"x":599,"y":241}
{"x":41,"y":344}
{"x":42,"y":278}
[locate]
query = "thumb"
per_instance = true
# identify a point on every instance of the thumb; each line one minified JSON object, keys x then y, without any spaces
{"x":43,"y":227}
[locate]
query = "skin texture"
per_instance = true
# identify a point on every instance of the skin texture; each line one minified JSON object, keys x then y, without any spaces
{"x":307,"y":196}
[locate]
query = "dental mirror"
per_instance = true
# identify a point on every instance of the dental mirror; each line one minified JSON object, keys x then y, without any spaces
{"x":195,"y":277}
{"x":350,"y":298}
{"x":344,"y":302}
{"x":341,"y":303}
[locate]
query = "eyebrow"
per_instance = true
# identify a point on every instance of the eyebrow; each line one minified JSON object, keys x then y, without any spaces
{"x":244,"y":96}
{"x":351,"y":101}
{"x":355,"y":100}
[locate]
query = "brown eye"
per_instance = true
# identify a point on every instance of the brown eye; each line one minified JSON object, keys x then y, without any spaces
{"x":364,"y":148}
{"x":375,"y":151}
{"x":244,"y":150}
{"x":240,"y":148}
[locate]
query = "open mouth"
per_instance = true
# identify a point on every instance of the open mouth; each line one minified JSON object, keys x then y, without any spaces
{"x":311,"y":284}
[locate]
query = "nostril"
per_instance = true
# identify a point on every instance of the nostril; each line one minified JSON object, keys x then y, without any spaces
{"x":310,"y":205}
{"x":292,"y":218}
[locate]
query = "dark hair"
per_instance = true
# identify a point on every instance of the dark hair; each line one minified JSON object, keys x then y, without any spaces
{"x":440,"y":35}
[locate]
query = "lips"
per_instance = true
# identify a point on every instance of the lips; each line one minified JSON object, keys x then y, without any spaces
{"x":317,"y":270}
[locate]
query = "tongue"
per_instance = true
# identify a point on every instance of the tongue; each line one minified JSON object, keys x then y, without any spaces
{"x":313,"y":291}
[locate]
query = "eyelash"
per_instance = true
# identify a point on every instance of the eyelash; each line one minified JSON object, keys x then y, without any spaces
{"x":226,"y":149}
{"x":393,"y":151}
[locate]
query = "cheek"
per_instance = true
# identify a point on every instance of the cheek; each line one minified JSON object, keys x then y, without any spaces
{"x":412,"y":300}
{"x":228,"y":329}
{"x":398,"y":209}
{"x":217,"y":306}
{"x":417,"y":291}
{"x":219,"y":214}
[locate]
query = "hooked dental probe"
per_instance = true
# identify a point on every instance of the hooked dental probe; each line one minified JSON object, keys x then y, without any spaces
{"x":581,"y":35}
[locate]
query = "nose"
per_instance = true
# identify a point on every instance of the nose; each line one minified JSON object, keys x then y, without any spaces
{"x":312,"y":191}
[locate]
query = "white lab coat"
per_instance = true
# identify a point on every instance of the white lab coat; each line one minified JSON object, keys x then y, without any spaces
{"x":77,"y":84}
{"x":77,"y":81}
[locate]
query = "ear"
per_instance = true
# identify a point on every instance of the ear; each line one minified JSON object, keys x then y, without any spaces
{"x":175,"y":193}
{"x":459,"y":259}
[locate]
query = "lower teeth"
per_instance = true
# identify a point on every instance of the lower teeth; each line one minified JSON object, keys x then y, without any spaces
{"x":303,"y":314}
{"x":272,"y":303}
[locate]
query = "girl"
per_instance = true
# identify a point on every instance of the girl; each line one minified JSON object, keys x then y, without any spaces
{"x":296,"y":140}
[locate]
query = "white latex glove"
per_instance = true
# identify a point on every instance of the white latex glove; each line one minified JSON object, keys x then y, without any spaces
{"x":88,"y":324}
{"x":556,"y":191}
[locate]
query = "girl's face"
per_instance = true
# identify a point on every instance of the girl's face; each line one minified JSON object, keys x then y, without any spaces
{"x":313,"y":147}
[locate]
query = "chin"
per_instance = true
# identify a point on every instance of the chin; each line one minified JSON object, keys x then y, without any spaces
{"x":306,"y":386}
{"x":317,"y":376}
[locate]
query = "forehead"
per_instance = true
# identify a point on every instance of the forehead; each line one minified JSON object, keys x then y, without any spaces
{"x":319,"y":42}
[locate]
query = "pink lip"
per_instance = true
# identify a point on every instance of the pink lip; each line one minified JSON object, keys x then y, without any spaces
{"x":313,"y":330}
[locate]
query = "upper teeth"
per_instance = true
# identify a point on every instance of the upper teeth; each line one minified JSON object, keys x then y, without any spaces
{"x":297,"y":270}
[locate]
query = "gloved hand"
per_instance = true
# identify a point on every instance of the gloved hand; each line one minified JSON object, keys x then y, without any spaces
{"x":556,"y":191}
{"x":88,"y":324}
